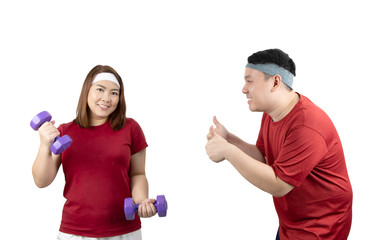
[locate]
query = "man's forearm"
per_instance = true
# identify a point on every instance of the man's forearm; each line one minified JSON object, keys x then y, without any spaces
{"x":249,"y":149}
{"x":259,"y":174}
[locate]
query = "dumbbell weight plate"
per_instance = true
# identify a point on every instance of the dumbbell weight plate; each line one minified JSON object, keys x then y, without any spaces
{"x":129,"y":209}
{"x":39,"y":119}
{"x":61,"y":144}
{"x":162,"y":205}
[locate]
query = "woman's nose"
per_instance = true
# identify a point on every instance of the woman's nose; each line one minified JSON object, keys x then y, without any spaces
{"x":106,"y":97}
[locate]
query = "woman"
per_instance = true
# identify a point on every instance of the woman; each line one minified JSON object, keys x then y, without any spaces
{"x":104,"y":165}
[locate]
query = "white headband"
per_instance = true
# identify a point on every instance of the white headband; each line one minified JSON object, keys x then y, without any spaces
{"x":106,"y":76}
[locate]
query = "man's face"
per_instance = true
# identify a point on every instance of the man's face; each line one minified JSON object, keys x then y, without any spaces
{"x":257,"y":89}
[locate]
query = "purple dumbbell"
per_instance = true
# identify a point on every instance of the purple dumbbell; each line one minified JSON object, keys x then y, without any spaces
{"x":130,"y":208}
{"x":60,"y":143}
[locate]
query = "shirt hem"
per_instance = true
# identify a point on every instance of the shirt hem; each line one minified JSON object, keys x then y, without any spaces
{"x":98,"y":235}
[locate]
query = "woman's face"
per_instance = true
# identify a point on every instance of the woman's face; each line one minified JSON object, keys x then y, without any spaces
{"x":103,"y":98}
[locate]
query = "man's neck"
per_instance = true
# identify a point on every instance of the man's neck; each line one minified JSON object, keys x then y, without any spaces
{"x":285,"y":106}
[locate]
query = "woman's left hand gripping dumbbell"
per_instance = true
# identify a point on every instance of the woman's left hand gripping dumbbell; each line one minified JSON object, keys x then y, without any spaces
{"x":147,"y":209}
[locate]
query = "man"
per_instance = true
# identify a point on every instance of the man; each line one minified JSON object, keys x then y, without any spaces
{"x":298,"y":157}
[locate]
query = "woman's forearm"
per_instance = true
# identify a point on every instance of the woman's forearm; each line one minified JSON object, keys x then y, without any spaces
{"x":139,"y":188}
{"x":45,"y":167}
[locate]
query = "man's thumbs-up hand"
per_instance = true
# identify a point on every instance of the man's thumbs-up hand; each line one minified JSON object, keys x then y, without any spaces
{"x":217,"y":146}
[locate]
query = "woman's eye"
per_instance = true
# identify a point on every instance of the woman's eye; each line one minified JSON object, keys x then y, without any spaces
{"x":99,"y":89}
{"x":115,"y":93}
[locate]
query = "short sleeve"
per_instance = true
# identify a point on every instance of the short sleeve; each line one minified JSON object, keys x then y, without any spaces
{"x":138,"y":139}
{"x":302,"y":151}
{"x":60,"y":128}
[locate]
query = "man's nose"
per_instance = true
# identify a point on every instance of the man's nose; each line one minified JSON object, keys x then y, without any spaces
{"x":245,"y":89}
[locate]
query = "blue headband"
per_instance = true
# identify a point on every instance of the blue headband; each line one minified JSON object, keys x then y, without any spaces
{"x":273,"y":69}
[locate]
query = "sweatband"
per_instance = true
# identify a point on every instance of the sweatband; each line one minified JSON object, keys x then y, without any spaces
{"x":106,"y":76}
{"x":273,"y":69}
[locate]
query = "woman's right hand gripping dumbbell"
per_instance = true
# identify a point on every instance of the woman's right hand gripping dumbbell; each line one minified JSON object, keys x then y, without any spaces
{"x":48,"y":159}
{"x":46,"y":165}
{"x":58,"y":144}
{"x":48,"y":133}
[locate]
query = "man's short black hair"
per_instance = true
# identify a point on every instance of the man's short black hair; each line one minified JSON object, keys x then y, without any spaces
{"x":275,"y":56}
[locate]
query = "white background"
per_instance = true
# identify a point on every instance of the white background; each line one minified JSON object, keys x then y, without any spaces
{"x":183,"y":62}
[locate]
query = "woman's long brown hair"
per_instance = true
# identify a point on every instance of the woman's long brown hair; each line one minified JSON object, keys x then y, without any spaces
{"x":117,"y":118}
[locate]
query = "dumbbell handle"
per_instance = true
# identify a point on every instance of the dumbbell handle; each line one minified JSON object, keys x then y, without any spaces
{"x":136,"y":206}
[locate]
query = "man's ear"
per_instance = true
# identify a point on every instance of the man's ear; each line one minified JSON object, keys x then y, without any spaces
{"x":277,"y":82}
